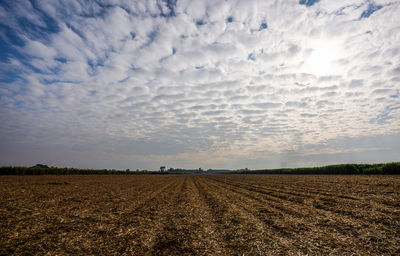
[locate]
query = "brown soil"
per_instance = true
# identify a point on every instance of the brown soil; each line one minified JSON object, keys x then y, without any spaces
{"x":200,"y":215}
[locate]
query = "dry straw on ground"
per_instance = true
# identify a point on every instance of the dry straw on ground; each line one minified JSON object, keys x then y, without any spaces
{"x":200,"y":215}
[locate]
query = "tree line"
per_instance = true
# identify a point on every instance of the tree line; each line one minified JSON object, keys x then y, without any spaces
{"x":385,"y":168}
{"x":18,"y":170}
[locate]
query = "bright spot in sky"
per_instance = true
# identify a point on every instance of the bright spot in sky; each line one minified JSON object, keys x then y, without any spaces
{"x":321,"y":60}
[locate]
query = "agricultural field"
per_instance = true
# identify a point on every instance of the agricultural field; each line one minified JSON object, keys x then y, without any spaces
{"x":200,"y":215}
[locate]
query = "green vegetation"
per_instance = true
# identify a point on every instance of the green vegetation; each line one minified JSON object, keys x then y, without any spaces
{"x":16,"y":170}
{"x":388,"y":168}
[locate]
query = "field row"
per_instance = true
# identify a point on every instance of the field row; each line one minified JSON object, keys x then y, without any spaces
{"x":200,"y":215}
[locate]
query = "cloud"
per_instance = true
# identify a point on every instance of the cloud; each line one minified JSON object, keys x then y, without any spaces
{"x":356,"y":83}
{"x":266,"y":105}
{"x":181,"y":80}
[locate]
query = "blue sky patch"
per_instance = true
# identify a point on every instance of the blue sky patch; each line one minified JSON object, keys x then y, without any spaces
{"x":384,"y":116}
{"x":200,"y":23}
{"x":371,"y":9}
{"x":251,"y":57}
{"x":308,"y":3}
{"x":263,"y":26}
{"x":171,"y":5}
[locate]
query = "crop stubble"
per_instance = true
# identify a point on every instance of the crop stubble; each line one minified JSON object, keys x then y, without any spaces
{"x":200,"y":215}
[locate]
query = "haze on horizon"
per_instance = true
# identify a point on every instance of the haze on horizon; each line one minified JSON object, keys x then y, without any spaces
{"x":188,"y":84}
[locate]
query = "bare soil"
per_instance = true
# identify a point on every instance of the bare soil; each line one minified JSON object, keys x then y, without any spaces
{"x":200,"y":215}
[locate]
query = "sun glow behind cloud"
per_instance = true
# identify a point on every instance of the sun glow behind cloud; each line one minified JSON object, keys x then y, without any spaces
{"x":222,"y":84}
{"x":324,"y":57}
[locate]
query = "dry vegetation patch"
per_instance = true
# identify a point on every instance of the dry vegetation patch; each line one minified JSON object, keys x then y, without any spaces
{"x":200,"y":215}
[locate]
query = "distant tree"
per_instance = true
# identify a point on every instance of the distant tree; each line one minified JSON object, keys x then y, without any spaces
{"x":40,"y":166}
{"x":162,"y":168}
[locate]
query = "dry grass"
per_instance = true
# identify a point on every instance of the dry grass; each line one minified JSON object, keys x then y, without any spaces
{"x":200,"y":215}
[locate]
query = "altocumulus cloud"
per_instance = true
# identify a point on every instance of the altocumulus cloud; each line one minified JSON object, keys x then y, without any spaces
{"x":221,"y":84}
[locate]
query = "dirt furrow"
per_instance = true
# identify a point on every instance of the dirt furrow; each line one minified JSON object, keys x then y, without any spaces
{"x":242,"y":232}
{"x":294,"y":229}
{"x":351,"y":187}
{"x":97,"y":219}
{"x":337,"y":204}
{"x":294,"y":217}
{"x":200,"y":215}
{"x":149,"y":221}
{"x":188,"y":229}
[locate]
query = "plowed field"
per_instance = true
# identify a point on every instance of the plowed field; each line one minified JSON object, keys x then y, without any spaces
{"x":200,"y":215}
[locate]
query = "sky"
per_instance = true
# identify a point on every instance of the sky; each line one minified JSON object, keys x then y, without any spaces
{"x":199,"y":84}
